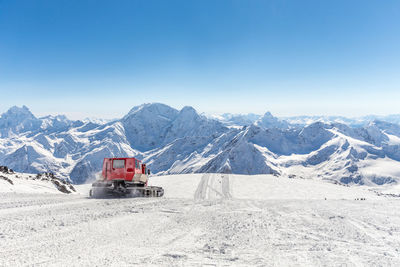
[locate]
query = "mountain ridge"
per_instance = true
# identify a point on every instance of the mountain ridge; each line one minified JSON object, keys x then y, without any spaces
{"x":175,"y":141}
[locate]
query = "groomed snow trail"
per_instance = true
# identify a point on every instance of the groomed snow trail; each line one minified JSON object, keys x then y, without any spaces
{"x":209,"y":227}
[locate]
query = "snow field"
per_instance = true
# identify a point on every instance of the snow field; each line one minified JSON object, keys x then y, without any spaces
{"x":204,"y":220}
{"x":259,"y":187}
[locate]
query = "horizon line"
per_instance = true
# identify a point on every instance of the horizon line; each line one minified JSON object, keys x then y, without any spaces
{"x":207,"y":114}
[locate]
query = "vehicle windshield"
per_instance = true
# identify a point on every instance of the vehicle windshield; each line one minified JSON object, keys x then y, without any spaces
{"x":118,"y":163}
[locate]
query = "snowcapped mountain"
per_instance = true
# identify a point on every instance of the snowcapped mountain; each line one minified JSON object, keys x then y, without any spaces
{"x":268,"y":121}
{"x":237,"y":119}
{"x":183,"y":141}
{"x":18,"y":120}
{"x":355,"y":122}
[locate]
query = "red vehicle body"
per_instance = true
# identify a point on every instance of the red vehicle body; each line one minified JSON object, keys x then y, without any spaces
{"x":128,"y":169}
{"x":124,"y":177}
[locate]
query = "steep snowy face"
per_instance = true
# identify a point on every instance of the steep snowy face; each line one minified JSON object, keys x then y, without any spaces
{"x":145,"y":126}
{"x":349,"y":156}
{"x":290,"y":141}
{"x":381,"y":138}
{"x":31,"y":159}
{"x":105,"y":141}
{"x":269,"y":121}
{"x":18,"y":120}
{"x":56,"y":123}
{"x":230,"y":152}
{"x":21,"y":159}
{"x":241,"y":157}
{"x":175,"y":157}
{"x":152,"y":126}
{"x":351,"y":161}
{"x":74,"y":151}
{"x":153,"y":109}
{"x":386,"y":127}
{"x":189,"y":123}
{"x":387,"y":136}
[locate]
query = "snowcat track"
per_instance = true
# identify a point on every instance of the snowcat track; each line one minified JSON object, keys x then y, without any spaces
{"x":147,"y":191}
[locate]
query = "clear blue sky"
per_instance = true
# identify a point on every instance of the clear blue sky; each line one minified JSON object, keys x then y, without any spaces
{"x":100,"y":58}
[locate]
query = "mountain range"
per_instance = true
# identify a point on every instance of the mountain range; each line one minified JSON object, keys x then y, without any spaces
{"x":348,"y":151}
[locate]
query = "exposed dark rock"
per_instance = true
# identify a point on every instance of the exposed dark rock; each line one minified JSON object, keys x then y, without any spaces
{"x":6,"y":179}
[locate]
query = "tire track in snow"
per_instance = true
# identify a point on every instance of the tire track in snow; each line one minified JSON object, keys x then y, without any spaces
{"x":225,"y":185}
{"x":213,"y":186}
{"x":201,"y":190}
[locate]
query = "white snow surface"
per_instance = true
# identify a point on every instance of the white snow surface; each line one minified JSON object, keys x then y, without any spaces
{"x":205,"y":220}
{"x":29,"y":183}
{"x":27,"y":186}
{"x":258,"y":187}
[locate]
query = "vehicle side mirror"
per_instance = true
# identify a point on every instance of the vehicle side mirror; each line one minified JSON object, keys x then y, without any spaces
{"x":148,"y":171}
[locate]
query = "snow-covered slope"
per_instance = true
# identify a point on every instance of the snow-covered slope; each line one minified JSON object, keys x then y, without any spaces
{"x":28,"y":183}
{"x":182,"y":141}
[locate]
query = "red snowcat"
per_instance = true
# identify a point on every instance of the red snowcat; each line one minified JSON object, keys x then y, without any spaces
{"x":124,"y":177}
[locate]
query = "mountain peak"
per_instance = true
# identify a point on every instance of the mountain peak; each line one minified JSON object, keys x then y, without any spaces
{"x":151,"y":108}
{"x":268,"y":115}
{"x":188,"y":111}
{"x":269,"y":121}
{"x":18,"y":120}
{"x":188,"y":108}
{"x":144,"y":123}
{"x":18,"y":111}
